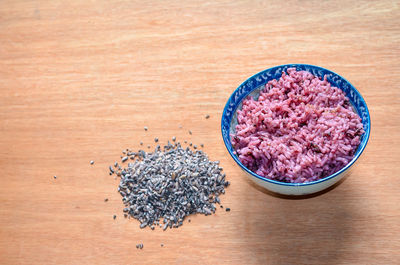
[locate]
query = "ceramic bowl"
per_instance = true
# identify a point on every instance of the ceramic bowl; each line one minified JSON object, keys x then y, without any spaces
{"x":253,"y":85}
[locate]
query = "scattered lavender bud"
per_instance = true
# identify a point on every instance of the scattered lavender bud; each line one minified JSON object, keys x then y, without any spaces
{"x":207,"y":116}
{"x":114,"y":217}
{"x":165,"y":226}
{"x":141,"y":143}
{"x":55,"y":177}
{"x":156,"y":139}
{"x":202,"y":145}
{"x":228,"y":209}
{"x":145,"y":128}
{"x":124,"y":159}
{"x":106,"y":199}
{"x":190,"y":132}
{"x":91,"y":162}
{"x":174,"y":138}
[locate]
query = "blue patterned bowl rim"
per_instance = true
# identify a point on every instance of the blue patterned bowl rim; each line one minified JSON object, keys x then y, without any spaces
{"x":262,"y":78}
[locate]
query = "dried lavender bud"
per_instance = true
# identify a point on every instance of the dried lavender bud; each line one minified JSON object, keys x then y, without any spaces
{"x":228,"y":209}
{"x":111,"y":170}
{"x":174,"y":138}
{"x":207,"y":116}
{"x":156,"y":139}
{"x":169,"y":184}
{"x":145,"y":128}
{"x":202,"y":145}
{"x":91,"y":162}
{"x":106,"y":199}
{"x":190,"y":132}
{"x":141,"y":143}
{"x":124,"y":159}
{"x":55,"y":177}
{"x":114,"y":217}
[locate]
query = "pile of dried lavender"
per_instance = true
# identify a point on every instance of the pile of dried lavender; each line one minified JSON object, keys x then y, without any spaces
{"x":164,"y":186}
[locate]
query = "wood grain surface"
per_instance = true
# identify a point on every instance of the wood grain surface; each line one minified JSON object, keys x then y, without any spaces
{"x":80,"y":79}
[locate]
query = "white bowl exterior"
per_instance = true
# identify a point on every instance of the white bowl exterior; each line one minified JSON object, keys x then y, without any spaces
{"x":298,"y":190}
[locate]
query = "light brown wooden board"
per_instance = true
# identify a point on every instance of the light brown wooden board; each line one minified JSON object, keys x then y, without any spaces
{"x":80,"y":79}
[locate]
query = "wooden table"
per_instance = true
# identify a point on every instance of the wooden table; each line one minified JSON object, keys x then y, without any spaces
{"x":80,"y":80}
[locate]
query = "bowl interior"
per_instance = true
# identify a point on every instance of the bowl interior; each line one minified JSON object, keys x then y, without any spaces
{"x":253,"y":85}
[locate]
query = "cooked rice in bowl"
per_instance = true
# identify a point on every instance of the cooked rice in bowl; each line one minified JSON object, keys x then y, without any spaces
{"x":299,"y":129}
